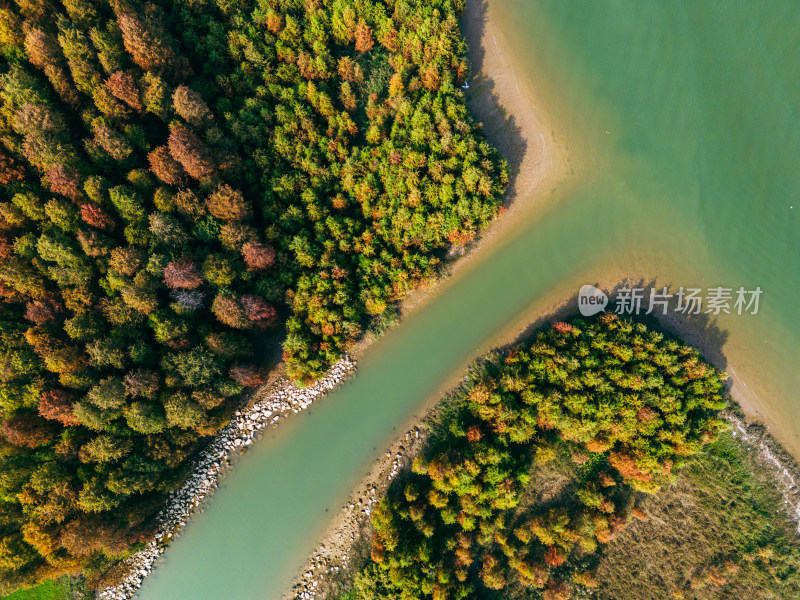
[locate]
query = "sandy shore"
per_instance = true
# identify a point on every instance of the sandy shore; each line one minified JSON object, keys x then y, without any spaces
{"x":346,"y":542}
{"x":517,"y":123}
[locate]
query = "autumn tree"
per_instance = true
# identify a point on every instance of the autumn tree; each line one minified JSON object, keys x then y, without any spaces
{"x":191,"y":106}
{"x":258,"y":310}
{"x":364,"y":41}
{"x":56,"y":405}
{"x":123,"y":86}
{"x":182,"y":273}
{"x":230,"y":312}
{"x":42,"y":310}
{"x":166,"y":168}
{"x":65,"y":181}
{"x":28,"y":429}
{"x":186,"y":148}
{"x":248,"y":375}
{"x":10,"y":170}
{"x":228,"y":204}
{"x":95,"y":216}
{"x":145,"y":41}
{"x":258,"y":256}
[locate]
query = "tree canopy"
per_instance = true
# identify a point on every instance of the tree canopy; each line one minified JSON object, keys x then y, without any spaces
{"x":177,"y":178}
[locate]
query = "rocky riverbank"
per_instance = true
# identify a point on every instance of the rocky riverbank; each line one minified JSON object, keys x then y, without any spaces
{"x":283,"y":399}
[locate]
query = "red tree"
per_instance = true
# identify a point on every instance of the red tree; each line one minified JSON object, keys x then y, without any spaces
{"x":627,"y":466}
{"x":6,"y":245}
{"x":42,"y":50}
{"x":10,"y":171}
{"x":64,"y":181}
{"x":28,"y":429}
{"x":96,"y":217}
{"x":258,"y":256}
{"x":182,"y":273}
{"x":56,"y":405}
{"x":248,"y":375}
{"x":258,"y":310}
{"x":123,"y":86}
{"x":166,"y":168}
{"x":87,"y":534}
{"x":188,"y":150}
{"x":274,"y":22}
{"x":647,"y":414}
{"x":42,"y":310}
{"x":474,"y":433}
{"x":553,"y":557}
{"x":78,"y":540}
{"x":561,"y":327}
{"x":364,"y":41}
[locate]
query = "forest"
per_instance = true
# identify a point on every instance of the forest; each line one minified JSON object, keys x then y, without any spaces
{"x":623,"y":406}
{"x":180,"y":180}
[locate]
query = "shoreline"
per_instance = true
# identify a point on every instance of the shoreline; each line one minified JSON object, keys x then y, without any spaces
{"x":511,"y":115}
{"x":347,"y":530}
{"x":772,"y":456}
{"x":536,"y":174}
{"x":540,"y":167}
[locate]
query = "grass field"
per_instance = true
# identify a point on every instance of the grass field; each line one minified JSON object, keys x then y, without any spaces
{"x":49,"y":590}
{"x":717,"y":533}
{"x":64,"y":588}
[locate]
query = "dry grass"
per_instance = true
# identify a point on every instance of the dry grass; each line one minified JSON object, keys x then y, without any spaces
{"x":718,"y":533}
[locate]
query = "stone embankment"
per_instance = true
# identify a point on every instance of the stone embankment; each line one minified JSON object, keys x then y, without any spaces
{"x":286,"y":398}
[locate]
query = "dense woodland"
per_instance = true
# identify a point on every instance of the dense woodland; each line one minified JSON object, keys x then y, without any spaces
{"x":178,"y":177}
{"x":624,"y":404}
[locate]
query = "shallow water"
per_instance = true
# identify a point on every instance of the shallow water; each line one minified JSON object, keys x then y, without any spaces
{"x":684,"y":120}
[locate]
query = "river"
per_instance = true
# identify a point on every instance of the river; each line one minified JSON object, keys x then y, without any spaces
{"x":683,"y":120}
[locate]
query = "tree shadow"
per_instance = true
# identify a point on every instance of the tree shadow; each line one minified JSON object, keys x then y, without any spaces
{"x":701,"y":331}
{"x":499,"y":127}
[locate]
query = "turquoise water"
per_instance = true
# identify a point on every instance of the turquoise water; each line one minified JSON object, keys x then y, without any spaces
{"x":684,"y":120}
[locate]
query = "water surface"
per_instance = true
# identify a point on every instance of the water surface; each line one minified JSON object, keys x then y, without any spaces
{"x":684,"y":119}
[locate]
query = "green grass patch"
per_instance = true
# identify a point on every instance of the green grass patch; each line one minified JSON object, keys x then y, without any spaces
{"x":49,"y":590}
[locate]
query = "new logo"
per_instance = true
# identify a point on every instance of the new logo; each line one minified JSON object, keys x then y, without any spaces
{"x":591,"y":300}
